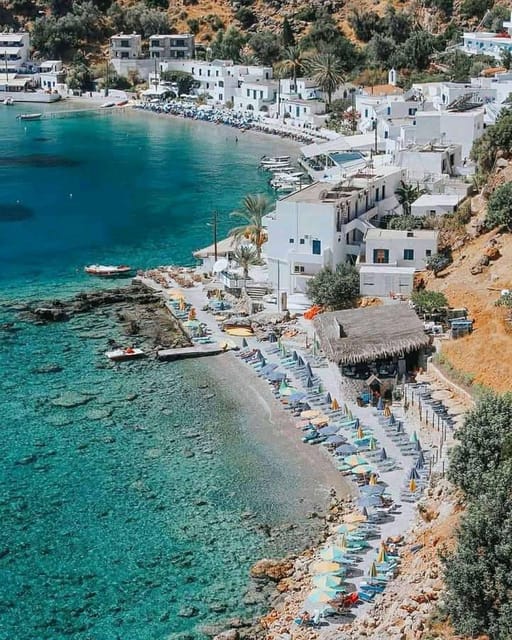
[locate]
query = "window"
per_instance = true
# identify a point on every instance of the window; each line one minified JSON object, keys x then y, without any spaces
{"x":298,"y":268}
{"x":301,"y":241}
{"x":248,"y":93}
{"x":383,"y":191}
{"x":291,"y":240}
{"x":381,"y":256}
{"x":428,"y":253}
{"x":412,"y":111}
{"x":125,"y":43}
{"x":408,"y":254}
{"x":316,"y":247}
{"x":221,"y":83}
{"x":156,"y":43}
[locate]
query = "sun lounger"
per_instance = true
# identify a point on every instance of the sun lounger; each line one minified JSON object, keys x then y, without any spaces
{"x":366,"y":597}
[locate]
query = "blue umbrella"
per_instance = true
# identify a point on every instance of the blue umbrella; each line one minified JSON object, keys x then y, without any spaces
{"x":392,"y":419}
{"x":400,"y":427}
{"x":328,"y":398}
{"x":383,"y":455}
{"x":420,"y":462}
{"x":335,"y":439}
{"x":329,"y":431}
{"x":309,"y":370}
{"x":413,"y":474}
{"x":262,"y":361}
{"x":244,"y":343}
{"x":276,"y":376}
{"x":309,"y":383}
{"x":300,"y":362}
{"x":370,"y":501}
{"x":417,"y":446}
{"x":373,"y":489}
{"x":261,"y":357}
{"x":380,"y":404}
{"x":272,"y":337}
{"x":295,"y":356}
{"x":346,"y":449}
{"x":296,"y":397}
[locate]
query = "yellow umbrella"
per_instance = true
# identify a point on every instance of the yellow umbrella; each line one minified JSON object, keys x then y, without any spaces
{"x":183,"y":306}
{"x":412,"y":485}
{"x":383,"y":556}
{"x":342,"y":542}
{"x":310,"y":413}
{"x":387,"y":411}
{"x":335,"y":405}
{"x":360,"y":432}
{"x":373,"y":479}
{"x":321,"y":419}
{"x":323,"y":566}
{"x":373,"y":570}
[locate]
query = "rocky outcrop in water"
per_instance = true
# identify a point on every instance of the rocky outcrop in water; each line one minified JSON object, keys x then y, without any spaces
{"x":274,"y":570}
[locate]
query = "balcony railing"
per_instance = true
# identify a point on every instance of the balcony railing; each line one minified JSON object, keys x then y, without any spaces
{"x":232,"y":280}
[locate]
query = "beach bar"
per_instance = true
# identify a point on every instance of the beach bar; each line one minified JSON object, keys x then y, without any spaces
{"x":384,"y":341}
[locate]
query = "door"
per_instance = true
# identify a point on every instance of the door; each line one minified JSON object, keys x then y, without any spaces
{"x":317,"y":247}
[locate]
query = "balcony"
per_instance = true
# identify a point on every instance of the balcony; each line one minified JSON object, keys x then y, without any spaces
{"x":232,"y":280}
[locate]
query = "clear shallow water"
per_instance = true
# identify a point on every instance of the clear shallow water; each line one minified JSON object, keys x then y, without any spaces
{"x":123,"y":510}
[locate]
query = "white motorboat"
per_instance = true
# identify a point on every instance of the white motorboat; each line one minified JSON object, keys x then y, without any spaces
{"x":274,"y":160}
{"x":8,"y":102}
{"x":107,"y":105}
{"x":108,"y":271}
{"x":130,"y":353}
{"x":295,"y":175}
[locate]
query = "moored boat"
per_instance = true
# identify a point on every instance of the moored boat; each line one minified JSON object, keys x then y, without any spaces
{"x":8,"y":102}
{"x":129,"y":353}
{"x":107,"y":105}
{"x":274,"y":160}
{"x":108,"y":271}
{"x":29,"y":116}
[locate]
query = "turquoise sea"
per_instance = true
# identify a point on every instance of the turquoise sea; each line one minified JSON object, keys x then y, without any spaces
{"x":136,"y":512}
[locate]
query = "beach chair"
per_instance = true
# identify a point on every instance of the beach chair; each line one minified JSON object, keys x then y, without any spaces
{"x":365,"y":596}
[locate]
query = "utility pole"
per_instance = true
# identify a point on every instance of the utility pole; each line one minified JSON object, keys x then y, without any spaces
{"x":106,"y":79}
{"x":374,"y":122}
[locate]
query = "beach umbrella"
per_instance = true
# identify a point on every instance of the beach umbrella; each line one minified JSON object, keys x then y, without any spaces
{"x":344,"y":467}
{"x":350,"y":416}
{"x":295,"y":356}
{"x":392,"y":419}
{"x":355,"y":517}
{"x":309,"y":383}
{"x":244,"y":343}
{"x":263,"y":362}
{"x":333,"y":554}
{"x":347,"y":528}
{"x":417,"y":446}
{"x":370,"y":501}
{"x":342,"y":542}
{"x":279,"y":343}
{"x":320,"y":388}
{"x":413,"y":474}
{"x":413,"y":438}
{"x":420,"y":462}
{"x":335,"y":439}
{"x":289,"y":392}
{"x":387,"y":411}
{"x":412,"y":485}
{"x":328,"y":398}
{"x":322,"y":566}
{"x":382,"y":555}
{"x":372,"y":489}
{"x":383,"y":455}
{"x":320,"y":420}
{"x":373,"y":570}
{"x":373,"y":480}
{"x":327,"y":581}
{"x":310,"y":413}
{"x":283,"y":387}
{"x":276,"y":376}
{"x":346,"y":450}
{"x":380,"y":404}
{"x":361,"y":469}
{"x":355,"y":460}
{"x":330,"y":430}
{"x":297,"y":396}
{"x":182,"y":304}
{"x":400,"y":427}
{"x":260,"y":356}
{"x":364,"y":513}
{"x":372,"y":444}
{"x":321,"y":596}
{"x":334,"y":405}
{"x":272,"y":337}
{"x":300,"y":362}
{"x":345,"y":408}
{"x":360,"y":433}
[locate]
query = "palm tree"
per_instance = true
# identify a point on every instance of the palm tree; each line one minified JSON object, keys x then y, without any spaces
{"x":255,"y":207}
{"x":326,"y":70}
{"x":407,"y":194}
{"x":292,"y":62}
{"x":246,"y":256}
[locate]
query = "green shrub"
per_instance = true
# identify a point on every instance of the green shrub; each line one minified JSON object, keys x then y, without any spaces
{"x":499,"y":208}
{"x":335,"y":289}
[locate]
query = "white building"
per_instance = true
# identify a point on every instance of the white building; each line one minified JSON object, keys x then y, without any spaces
{"x":52,"y":75}
{"x":172,"y":47}
{"x":423,"y":162}
{"x":436,"y":204}
{"x":126,"y":46}
{"x":323,"y":224}
{"x":14,"y":51}
{"x":446,"y":127}
{"x":255,"y":93}
{"x":489,"y":43}
{"x":391,"y":257}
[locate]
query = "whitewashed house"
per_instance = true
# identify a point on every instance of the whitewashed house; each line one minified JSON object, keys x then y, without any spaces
{"x":324,"y":225}
{"x":52,"y":76}
{"x":14,"y":52}
{"x":488,"y":42}
{"x":255,"y":93}
{"x":427,"y":160}
{"x":435,"y":204}
{"x":390,"y":259}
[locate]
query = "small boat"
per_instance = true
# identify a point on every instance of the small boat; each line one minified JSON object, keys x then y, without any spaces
{"x":122,"y":103}
{"x":274,"y":160}
{"x":130,"y":353}
{"x":108,"y":271}
{"x":8,"y":102}
{"x":107,"y":105}
{"x":29,"y":116}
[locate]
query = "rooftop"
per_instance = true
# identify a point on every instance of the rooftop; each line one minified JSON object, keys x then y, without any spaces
{"x":224,"y":247}
{"x":438,"y":199}
{"x":423,"y":234}
{"x":367,"y":334}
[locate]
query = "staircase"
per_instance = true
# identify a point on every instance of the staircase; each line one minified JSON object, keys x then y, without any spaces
{"x":256,"y":291}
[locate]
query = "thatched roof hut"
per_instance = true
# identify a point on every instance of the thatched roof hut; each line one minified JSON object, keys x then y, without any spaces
{"x":372,"y":333}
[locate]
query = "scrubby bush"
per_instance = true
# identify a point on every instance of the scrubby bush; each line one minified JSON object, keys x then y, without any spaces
{"x":438,"y":262}
{"x":335,"y":289}
{"x":496,"y":139}
{"x":428,"y":301}
{"x":499,"y":208}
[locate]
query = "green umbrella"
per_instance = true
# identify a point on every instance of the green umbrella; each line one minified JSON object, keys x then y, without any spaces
{"x":361,"y":469}
{"x":327,"y":581}
{"x":355,"y":460}
{"x":372,"y":444}
{"x":322,"y":596}
{"x":414,"y":437}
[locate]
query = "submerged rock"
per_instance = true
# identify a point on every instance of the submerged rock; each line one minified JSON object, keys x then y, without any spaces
{"x":48,"y":368}
{"x":71,"y":399}
{"x":188,"y":612}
